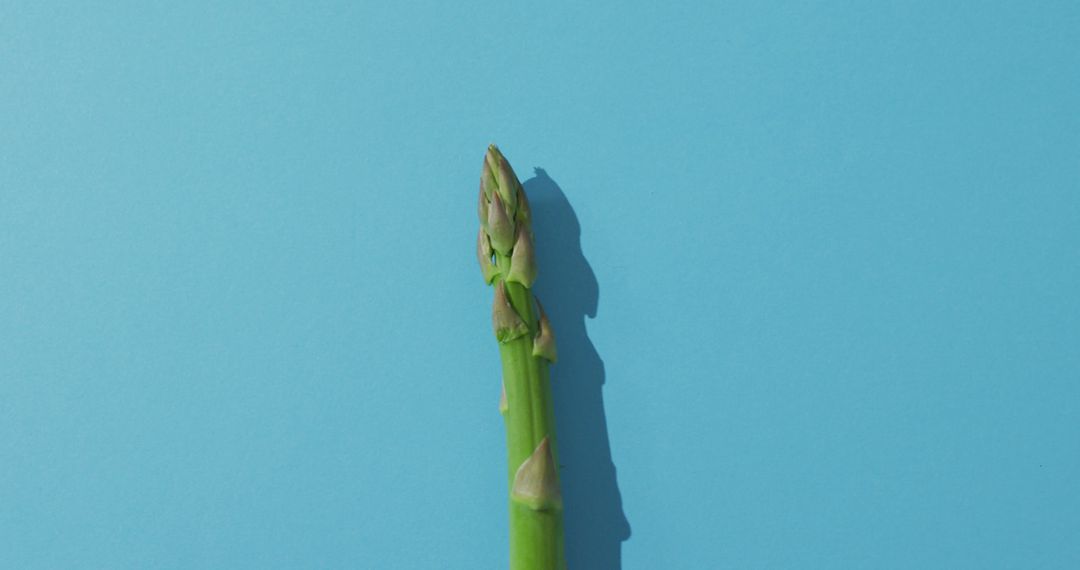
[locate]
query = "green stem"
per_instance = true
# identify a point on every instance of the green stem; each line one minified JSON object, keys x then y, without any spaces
{"x":536,"y":535}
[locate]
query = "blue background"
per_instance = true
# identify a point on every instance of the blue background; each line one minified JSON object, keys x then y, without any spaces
{"x":813,"y":266}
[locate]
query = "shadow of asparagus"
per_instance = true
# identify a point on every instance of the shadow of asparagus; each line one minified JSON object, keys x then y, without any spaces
{"x":595,"y":523}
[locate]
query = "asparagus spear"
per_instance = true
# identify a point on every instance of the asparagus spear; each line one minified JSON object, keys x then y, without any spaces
{"x":527,"y":345}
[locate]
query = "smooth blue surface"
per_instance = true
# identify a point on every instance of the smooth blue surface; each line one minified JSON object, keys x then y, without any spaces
{"x":823,"y":310}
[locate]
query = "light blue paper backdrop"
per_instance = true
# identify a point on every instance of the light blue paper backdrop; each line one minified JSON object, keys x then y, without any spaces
{"x":815,"y":268}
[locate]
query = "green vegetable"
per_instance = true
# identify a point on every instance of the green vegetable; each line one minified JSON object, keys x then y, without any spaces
{"x":527,"y":345}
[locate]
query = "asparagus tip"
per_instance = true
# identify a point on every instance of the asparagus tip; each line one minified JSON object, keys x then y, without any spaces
{"x":487,"y":180}
{"x":507,"y":183}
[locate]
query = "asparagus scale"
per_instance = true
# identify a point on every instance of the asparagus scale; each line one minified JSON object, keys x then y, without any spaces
{"x":507,"y":260}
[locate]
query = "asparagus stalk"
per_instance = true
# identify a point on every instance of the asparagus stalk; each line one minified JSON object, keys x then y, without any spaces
{"x":527,"y":345}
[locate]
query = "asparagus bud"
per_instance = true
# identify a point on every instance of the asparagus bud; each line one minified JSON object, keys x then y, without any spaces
{"x":484,"y":254}
{"x":482,"y":208}
{"x":508,"y":325}
{"x":522,"y":260}
{"x":524,"y":213}
{"x":536,"y":482}
{"x":499,"y":226}
{"x":544,"y":343}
